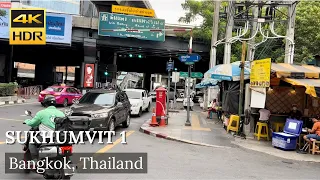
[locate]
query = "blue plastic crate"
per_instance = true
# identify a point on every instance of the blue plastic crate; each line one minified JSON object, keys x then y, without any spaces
{"x":287,"y":140}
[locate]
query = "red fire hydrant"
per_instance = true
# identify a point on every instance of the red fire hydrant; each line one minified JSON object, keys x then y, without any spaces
{"x":161,"y":94}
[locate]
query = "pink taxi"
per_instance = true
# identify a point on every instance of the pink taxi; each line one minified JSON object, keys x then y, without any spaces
{"x":64,"y":95}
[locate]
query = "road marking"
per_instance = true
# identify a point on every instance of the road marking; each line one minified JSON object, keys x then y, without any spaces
{"x":109,"y":146}
{"x":18,"y":104}
{"x":195,"y":123}
{"x":6,"y":119}
{"x":197,"y":129}
{"x":3,"y":142}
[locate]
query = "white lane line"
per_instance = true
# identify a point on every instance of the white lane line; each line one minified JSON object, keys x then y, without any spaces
{"x":6,"y":119}
{"x":18,"y":104}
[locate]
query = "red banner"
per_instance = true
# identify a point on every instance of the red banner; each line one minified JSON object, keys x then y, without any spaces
{"x":89,"y":76}
{"x":5,"y":5}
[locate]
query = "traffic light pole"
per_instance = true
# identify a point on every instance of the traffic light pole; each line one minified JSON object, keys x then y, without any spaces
{"x":188,"y":123}
{"x":167,"y":109}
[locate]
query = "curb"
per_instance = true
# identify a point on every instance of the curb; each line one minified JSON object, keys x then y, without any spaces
{"x":164,"y":136}
{"x":19,"y":101}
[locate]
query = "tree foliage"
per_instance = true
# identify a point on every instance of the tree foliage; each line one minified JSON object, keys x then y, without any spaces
{"x":3,"y":13}
{"x":307,"y":35}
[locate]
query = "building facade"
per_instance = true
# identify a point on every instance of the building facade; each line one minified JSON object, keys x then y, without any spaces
{"x":56,"y":6}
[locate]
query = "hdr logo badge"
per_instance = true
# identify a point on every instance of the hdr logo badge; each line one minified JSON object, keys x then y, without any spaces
{"x":27,"y":27}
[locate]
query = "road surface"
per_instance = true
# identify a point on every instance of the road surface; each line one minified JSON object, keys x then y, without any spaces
{"x":167,"y":159}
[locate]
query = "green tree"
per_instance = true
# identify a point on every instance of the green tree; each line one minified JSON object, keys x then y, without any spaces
{"x":3,"y":13}
{"x":307,"y":36}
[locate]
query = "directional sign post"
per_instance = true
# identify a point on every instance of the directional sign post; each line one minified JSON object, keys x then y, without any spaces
{"x":193,"y":74}
{"x":189,"y":59}
{"x":170,"y":66}
{"x":113,"y":25}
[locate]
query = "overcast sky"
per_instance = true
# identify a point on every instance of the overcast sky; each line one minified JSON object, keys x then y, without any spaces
{"x":170,"y":10}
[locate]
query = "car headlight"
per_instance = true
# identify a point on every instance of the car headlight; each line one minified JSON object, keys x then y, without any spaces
{"x":101,"y":115}
{"x":135,"y":104}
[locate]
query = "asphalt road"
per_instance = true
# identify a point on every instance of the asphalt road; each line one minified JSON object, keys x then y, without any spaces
{"x":167,"y":159}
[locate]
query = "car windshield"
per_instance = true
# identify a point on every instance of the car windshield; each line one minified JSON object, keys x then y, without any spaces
{"x":98,"y":98}
{"x":133,"y":94}
{"x":54,"y":89}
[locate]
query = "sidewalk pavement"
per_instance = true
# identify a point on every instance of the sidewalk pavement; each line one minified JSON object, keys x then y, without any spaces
{"x":201,"y":132}
{"x":207,"y":132}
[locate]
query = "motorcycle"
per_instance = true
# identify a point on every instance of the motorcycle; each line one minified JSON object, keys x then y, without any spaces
{"x":50,"y":153}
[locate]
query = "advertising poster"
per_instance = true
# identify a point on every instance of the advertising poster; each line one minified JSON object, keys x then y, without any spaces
{"x":4,"y":19}
{"x":89,"y":75}
{"x":59,"y":28}
{"x":260,"y":73}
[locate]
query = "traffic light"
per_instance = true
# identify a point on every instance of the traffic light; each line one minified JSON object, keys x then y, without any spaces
{"x":175,"y":69}
{"x":130,"y":55}
{"x":106,"y":73}
{"x":139,"y":56}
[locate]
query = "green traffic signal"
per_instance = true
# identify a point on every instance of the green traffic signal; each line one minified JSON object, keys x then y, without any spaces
{"x":106,"y":73}
{"x":139,"y":56}
{"x":130,"y":55}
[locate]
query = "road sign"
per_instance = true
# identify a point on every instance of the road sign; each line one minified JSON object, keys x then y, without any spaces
{"x":175,"y":77}
{"x":193,"y":74}
{"x":189,"y":58}
{"x":109,"y":23}
{"x":170,"y":66}
{"x":132,"y":10}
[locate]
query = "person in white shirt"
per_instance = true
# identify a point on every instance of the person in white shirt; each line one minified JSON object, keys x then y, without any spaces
{"x":265,"y":116}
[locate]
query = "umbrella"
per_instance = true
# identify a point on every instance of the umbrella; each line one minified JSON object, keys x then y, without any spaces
{"x":206,"y":83}
{"x":228,"y":72}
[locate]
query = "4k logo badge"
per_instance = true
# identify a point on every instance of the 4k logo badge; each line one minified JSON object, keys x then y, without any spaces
{"x":27,"y":27}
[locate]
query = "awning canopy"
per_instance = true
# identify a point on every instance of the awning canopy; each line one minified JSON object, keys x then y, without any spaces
{"x":312,"y":85}
{"x":284,"y":70}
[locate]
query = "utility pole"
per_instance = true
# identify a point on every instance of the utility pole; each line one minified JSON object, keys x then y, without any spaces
{"x":213,"y":50}
{"x":243,"y":58}
{"x":289,"y":50}
{"x":230,"y":22}
{"x":251,"y":45}
{"x":188,"y":123}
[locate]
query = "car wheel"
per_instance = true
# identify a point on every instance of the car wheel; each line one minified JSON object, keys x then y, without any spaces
{"x":126,"y":123}
{"x":112,"y":125}
{"x":140,"y":112}
{"x":148,"y":108}
{"x":65,"y":103}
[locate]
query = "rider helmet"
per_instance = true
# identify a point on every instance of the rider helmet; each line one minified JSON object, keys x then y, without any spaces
{"x":49,"y":101}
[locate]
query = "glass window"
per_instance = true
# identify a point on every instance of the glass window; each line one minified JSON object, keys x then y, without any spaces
{"x":133,"y":94}
{"x":54,"y":89}
{"x":98,"y":98}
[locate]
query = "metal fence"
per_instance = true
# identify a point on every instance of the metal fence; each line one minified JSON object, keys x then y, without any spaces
{"x":28,"y":92}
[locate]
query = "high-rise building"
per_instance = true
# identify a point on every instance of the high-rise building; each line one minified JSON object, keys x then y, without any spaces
{"x":57,"y":6}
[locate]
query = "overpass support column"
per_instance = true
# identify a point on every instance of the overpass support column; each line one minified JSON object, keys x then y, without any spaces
{"x":90,"y":57}
{"x":146,"y":80}
{"x":44,"y":73}
{"x":6,"y":61}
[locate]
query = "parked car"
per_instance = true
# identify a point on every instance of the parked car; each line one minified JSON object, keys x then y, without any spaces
{"x":139,"y":100}
{"x":64,"y":95}
{"x":106,"y":109}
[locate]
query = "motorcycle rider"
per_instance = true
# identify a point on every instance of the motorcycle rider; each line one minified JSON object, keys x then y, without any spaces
{"x":44,"y":120}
